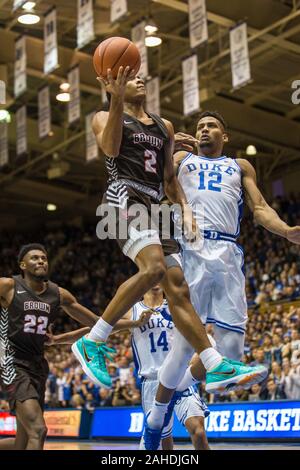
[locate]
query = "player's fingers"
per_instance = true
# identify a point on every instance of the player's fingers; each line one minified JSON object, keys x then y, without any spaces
{"x":125,"y":75}
{"x":120,"y":75}
{"x":109,"y":79}
{"x":103,"y":81}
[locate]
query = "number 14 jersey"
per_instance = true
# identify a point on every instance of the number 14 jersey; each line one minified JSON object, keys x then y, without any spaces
{"x":152,"y":342}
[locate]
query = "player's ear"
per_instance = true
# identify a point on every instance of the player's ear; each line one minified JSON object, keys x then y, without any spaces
{"x":22,"y":265}
{"x":225,"y":138}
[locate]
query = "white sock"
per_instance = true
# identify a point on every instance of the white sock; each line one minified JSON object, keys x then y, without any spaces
{"x":156,"y":417}
{"x":210,"y":358}
{"x":100,"y":331}
{"x":186,"y":381}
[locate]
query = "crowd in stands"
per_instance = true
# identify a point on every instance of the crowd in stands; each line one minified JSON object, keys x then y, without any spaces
{"x":92,"y":270}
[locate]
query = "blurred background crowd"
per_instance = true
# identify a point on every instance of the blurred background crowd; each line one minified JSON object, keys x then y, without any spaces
{"x":92,"y":270}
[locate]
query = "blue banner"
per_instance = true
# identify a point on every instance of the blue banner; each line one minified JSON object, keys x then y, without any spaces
{"x":261,"y":420}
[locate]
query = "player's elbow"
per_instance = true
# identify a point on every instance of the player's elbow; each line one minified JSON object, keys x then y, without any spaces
{"x":110,"y":149}
{"x":259,"y":211}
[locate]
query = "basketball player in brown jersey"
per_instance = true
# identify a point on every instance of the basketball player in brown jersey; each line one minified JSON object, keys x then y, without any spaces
{"x":29,"y":304}
{"x":138,"y":147}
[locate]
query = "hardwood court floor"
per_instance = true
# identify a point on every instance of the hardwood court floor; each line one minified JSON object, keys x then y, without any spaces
{"x":114,"y":445}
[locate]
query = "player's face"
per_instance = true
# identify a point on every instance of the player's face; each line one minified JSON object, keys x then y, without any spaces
{"x":35,"y":263}
{"x":210,"y":134}
{"x":156,"y":289}
{"x":135,"y":89}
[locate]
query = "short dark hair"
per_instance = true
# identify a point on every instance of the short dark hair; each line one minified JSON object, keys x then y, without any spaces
{"x":31,"y":246}
{"x":215,"y":115}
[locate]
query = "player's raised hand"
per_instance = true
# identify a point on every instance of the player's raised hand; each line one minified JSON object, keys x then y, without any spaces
{"x":144,"y":318}
{"x":293,"y":234}
{"x":185,"y":142}
{"x":116,"y":86}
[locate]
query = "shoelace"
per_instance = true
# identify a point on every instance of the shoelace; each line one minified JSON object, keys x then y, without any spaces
{"x":104,"y":352}
{"x":241,"y":364}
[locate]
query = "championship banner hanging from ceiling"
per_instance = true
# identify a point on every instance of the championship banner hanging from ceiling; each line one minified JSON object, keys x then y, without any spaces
{"x":153,"y":96}
{"x":118,"y":8}
{"x":50,"y":42}
{"x":21,"y":131}
{"x":138,"y":37}
{"x":91,"y":146}
{"x":18,"y":3}
{"x":74,"y":103}
{"x":85,"y":22}
{"x":197,"y":22}
{"x":20,"y":78}
{"x":3,"y":144}
{"x":44,"y":119}
{"x":191,"y":98}
{"x":239,"y":53}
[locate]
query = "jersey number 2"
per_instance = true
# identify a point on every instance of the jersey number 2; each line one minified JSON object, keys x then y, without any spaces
{"x":150,"y":161}
{"x":35,"y":324}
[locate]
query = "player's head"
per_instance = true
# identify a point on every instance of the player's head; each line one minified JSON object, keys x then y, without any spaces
{"x":211,"y":133}
{"x":156,"y":290}
{"x":135,"y":91}
{"x":33,"y":261}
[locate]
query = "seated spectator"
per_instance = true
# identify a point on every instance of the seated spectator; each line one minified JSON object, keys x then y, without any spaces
{"x":274,"y":392}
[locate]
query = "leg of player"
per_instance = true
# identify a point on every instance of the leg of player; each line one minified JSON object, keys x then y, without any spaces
{"x":229,"y":343}
{"x":21,"y":440}
{"x":7,"y":443}
{"x":195,"y":373}
{"x":221,"y":372}
{"x":167,"y":443}
{"x":30,"y":415}
{"x":195,"y":427}
{"x":15,"y":443}
{"x":91,"y":354}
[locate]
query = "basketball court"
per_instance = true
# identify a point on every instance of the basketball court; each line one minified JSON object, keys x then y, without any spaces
{"x":118,"y":446}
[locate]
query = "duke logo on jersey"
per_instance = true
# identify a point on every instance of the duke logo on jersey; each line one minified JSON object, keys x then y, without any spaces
{"x":215,"y":185}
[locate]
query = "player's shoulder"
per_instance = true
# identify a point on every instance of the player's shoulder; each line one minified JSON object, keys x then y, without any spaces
{"x":245,"y":166}
{"x":168,"y":125}
{"x":99,"y":119}
{"x":6,"y":284}
{"x":180,"y":156}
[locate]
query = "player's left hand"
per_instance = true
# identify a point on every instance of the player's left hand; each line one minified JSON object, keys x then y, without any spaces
{"x":185,"y":142}
{"x":190,"y":226}
{"x":51,"y":338}
{"x":293,"y":234}
{"x":144,"y":318}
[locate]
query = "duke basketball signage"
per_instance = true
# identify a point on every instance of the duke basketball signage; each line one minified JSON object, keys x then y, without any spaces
{"x":263,"y":420}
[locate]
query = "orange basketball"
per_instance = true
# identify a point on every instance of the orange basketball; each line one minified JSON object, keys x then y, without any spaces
{"x":114,"y":53}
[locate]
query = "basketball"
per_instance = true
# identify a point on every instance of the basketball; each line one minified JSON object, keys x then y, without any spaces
{"x":114,"y":53}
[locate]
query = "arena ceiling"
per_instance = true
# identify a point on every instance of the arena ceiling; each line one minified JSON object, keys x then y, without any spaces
{"x":260,"y":113}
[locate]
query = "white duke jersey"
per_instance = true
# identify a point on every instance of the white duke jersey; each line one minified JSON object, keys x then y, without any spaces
{"x":152,"y":342}
{"x":215,"y":185}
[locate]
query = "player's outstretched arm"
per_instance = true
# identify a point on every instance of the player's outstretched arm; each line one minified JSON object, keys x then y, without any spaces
{"x":75,"y":310}
{"x":6,"y":285}
{"x":126,"y":323}
{"x":263,"y":213}
{"x":66,"y":338}
{"x":177,"y":159}
{"x":174,"y":191}
{"x":108,"y":127}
